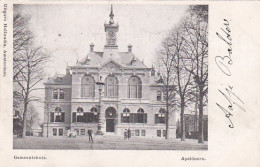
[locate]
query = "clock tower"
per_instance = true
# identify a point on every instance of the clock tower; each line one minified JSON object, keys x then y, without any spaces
{"x":111,"y":30}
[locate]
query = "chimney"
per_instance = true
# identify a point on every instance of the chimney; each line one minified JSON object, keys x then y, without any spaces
{"x":68,"y":70}
{"x":152,"y":71}
{"x":129,"y":48}
{"x":91,"y":47}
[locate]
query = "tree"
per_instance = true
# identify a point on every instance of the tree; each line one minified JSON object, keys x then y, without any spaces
{"x":28,"y":65}
{"x":173,"y":64}
{"x":196,"y":38}
{"x":32,"y":116}
{"x":165,"y":64}
{"x":21,"y":39}
{"x":183,"y":77}
{"x":184,"y":59}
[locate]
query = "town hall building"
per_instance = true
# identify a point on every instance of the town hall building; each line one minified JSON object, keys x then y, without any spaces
{"x":107,"y":91}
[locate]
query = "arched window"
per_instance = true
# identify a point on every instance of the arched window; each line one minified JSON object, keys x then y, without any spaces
{"x":111,"y":87}
{"x":125,"y":117}
{"x":55,"y":94}
{"x":58,"y":115}
{"x":92,"y":116}
{"x":134,"y":87}
{"x":140,"y":110}
{"x":80,"y":115}
{"x":161,"y":117}
{"x":140,"y":116}
{"x":87,"y":86}
{"x":61,"y":94}
{"x":159,"y":96}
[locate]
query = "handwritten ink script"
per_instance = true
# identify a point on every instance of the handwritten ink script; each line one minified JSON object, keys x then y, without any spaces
{"x":224,"y":64}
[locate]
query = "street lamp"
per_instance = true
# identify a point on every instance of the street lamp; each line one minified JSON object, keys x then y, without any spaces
{"x":100,"y":84}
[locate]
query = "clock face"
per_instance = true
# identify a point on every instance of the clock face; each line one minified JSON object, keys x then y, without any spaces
{"x":111,"y":34}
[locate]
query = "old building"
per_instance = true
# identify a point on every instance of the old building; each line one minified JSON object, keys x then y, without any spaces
{"x":131,"y":98}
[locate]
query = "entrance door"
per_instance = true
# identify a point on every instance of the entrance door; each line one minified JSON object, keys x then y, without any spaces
{"x":110,"y":125}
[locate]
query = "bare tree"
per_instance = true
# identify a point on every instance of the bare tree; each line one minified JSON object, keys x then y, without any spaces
{"x":21,"y":39}
{"x":31,"y":73}
{"x":32,"y":116}
{"x":173,"y":63}
{"x":165,"y":64}
{"x":196,"y":47}
{"x":28,"y":65}
{"x":183,"y":77}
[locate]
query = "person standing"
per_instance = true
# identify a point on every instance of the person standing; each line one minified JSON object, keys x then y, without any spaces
{"x":90,"y":132}
{"x":125,"y":134}
{"x":129,"y":134}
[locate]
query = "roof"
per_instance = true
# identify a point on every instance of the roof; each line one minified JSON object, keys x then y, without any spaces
{"x":59,"y":79}
{"x":124,"y":59}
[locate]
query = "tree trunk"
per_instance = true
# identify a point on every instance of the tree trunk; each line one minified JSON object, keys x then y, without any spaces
{"x":200,"y":138}
{"x":167,"y":114}
{"x":24,"y":119}
{"x":182,"y":121}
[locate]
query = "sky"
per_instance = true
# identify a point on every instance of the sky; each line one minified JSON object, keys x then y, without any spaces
{"x":65,"y":31}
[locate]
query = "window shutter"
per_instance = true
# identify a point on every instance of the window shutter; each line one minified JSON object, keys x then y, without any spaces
{"x":122,"y":121}
{"x":62,"y":116}
{"x":145,"y":117}
{"x":136,"y":117}
{"x":116,"y":120}
{"x":131,"y":117}
{"x":52,"y":116}
{"x":74,"y":117}
{"x":156,"y":118}
{"x":85,"y":117}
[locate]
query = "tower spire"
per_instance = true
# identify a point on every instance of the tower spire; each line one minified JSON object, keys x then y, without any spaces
{"x":111,"y":15}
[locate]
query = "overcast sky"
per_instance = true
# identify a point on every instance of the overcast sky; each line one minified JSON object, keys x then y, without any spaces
{"x":66,"y":31}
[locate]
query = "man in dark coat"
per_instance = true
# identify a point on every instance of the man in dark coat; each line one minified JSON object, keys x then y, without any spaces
{"x":90,"y":132}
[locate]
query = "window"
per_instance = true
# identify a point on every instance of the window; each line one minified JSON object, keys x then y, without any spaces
{"x":54,"y":132}
{"x":111,"y":87}
{"x":58,"y":115}
{"x":91,"y":116}
{"x":58,"y":94}
{"x":164,"y":96}
{"x":143,"y":132}
{"x":82,"y":132}
{"x":137,"y":132}
{"x":77,"y":130}
{"x":87,"y":86}
{"x":164,"y":133}
{"x":94,"y":113}
{"x":140,"y":116}
{"x":55,"y":94}
{"x":125,"y":118}
{"x":158,"y":133}
{"x":161,"y":117}
{"x":159,"y":96}
{"x":134,"y":87}
{"x":80,"y":115}
{"x":61,"y":94}
{"x":60,"y":132}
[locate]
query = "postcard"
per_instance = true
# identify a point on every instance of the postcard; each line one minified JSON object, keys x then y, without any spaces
{"x":130,"y":83}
